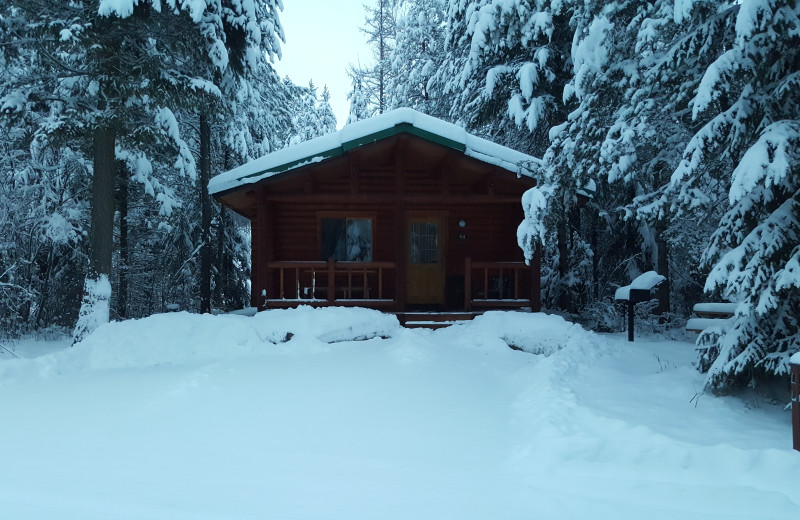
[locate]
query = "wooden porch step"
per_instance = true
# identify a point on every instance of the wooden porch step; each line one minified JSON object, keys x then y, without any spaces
{"x":433,"y":320}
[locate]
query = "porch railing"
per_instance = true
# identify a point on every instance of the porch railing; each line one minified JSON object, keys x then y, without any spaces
{"x":497,"y":284}
{"x":331,"y":281}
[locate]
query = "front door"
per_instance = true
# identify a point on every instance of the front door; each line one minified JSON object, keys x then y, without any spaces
{"x":425,"y":274}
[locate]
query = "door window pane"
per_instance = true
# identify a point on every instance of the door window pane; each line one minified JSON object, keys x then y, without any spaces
{"x":424,"y":242}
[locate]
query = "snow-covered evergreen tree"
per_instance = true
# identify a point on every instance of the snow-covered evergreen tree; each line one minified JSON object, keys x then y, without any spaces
{"x":325,"y":115}
{"x":133,"y":70}
{"x":507,"y":62}
{"x":311,"y":116}
{"x":359,"y":101}
{"x":624,"y":135}
{"x":418,"y":53}
{"x":749,"y":96}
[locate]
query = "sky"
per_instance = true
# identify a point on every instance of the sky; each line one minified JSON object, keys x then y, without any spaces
{"x":322,"y":38}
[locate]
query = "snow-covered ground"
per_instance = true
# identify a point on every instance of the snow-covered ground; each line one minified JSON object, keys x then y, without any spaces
{"x":342,"y":414}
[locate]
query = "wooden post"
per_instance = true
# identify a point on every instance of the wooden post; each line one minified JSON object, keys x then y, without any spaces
{"x":536,"y":280}
{"x":349,"y":284}
{"x":795,"y":379}
{"x":468,"y":284}
{"x":516,"y":283}
{"x":331,"y":280}
{"x":500,"y":284}
{"x":262,"y":231}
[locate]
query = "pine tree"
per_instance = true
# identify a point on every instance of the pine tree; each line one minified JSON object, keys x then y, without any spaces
{"x":417,"y":54}
{"x":380,"y":29}
{"x":359,"y":103}
{"x":325,"y":115}
{"x":507,"y":63}
{"x":127,"y":67}
{"x":751,"y":91}
{"x":312,"y":116}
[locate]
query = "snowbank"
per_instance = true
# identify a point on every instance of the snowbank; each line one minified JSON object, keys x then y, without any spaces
{"x":535,"y":333}
{"x":181,"y":337}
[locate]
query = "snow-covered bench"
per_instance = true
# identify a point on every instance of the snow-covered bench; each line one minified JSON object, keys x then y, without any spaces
{"x":711,"y":315}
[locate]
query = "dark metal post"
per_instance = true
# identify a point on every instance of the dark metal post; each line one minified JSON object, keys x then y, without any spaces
{"x":630,"y":318}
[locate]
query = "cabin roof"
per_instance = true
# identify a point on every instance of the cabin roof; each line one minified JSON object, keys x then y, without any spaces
{"x":360,"y":133}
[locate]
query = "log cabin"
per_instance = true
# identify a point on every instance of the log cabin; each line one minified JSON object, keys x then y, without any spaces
{"x":399,"y":212}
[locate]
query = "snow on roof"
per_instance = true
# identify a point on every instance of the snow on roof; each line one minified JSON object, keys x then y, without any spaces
{"x":371,"y":130}
{"x":795,"y":359}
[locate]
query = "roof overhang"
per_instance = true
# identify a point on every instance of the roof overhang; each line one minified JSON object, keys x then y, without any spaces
{"x":361,"y":133}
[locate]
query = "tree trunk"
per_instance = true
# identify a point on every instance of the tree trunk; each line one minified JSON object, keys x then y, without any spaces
{"x":97,"y":289}
{"x":381,"y":59}
{"x":102,"y":233}
{"x":563,"y":263}
{"x":124,"y":253}
{"x":220,"y":280}
{"x":595,"y":223}
{"x":205,"y":220}
{"x":663,"y":269}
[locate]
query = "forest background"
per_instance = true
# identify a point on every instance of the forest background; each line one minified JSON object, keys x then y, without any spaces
{"x":681,"y":119}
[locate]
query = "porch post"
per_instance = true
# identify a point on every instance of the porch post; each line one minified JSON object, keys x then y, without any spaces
{"x":331,"y":280}
{"x":468,"y":284}
{"x":536,"y":280}
{"x":261,"y":255}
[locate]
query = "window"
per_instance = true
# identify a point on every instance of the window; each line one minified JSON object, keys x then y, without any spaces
{"x":424,"y":242}
{"x":346,"y":239}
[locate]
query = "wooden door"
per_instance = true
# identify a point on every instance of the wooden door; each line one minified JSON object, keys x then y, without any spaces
{"x":425,"y":260}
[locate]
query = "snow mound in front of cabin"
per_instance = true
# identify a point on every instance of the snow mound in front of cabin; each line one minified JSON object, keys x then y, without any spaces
{"x":535,"y":333}
{"x":327,"y":324}
{"x":178,"y":338}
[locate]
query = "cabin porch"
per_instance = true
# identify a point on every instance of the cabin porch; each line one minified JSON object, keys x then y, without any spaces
{"x":481,"y":285}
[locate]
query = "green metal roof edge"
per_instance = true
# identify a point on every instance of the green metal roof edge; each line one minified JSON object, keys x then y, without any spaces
{"x":408,"y":128}
{"x":361,"y":141}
